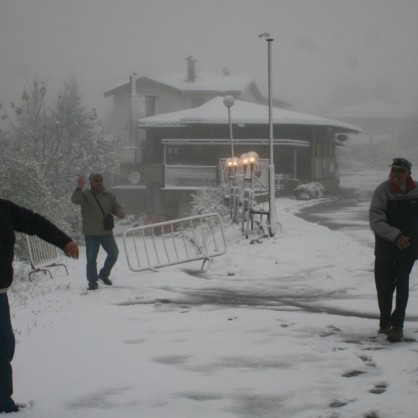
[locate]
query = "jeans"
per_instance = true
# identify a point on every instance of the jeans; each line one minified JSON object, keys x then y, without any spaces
{"x":7,"y":349}
{"x":391,"y":276}
{"x":93,"y":243}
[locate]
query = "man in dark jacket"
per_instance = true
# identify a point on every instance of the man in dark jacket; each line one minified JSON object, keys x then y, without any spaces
{"x":16,"y":218}
{"x":394,"y":219}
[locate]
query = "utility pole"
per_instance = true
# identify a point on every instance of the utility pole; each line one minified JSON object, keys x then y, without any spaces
{"x":271,"y":139}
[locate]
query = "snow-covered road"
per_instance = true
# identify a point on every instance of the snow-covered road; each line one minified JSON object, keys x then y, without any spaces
{"x":281,"y":328}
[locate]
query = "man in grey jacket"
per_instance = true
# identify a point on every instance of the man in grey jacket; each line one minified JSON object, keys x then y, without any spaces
{"x":394,"y":219}
{"x":97,"y":202}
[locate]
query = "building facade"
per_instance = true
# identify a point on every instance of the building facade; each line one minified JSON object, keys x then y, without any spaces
{"x":178,"y":133}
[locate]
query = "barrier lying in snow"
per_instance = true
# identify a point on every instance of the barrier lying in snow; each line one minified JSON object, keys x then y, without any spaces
{"x":43,"y":255}
{"x":162,"y":244}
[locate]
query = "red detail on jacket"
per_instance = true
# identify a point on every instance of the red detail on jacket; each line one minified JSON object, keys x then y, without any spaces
{"x":410,"y":185}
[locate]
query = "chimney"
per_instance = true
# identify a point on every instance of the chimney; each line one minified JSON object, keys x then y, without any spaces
{"x":226,"y":71}
{"x":132,"y":82}
{"x":191,"y":69}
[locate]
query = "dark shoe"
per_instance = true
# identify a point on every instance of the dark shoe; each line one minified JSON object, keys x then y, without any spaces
{"x":384,"y":330}
{"x":9,"y":411}
{"x":395,"y":334}
{"x":10,"y":408}
{"x":93,"y":286}
{"x":106,"y":281}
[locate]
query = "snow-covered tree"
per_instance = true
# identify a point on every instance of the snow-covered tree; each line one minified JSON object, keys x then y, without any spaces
{"x":64,"y":140}
{"x":209,"y":200}
{"x":45,"y":148}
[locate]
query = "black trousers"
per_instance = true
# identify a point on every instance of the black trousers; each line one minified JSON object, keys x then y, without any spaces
{"x":7,"y":348}
{"x":390,"y":276}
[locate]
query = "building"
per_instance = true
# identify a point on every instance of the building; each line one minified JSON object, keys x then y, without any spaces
{"x":179,"y":135}
{"x":184,"y":150}
{"x":386,"y":128}
{"x":141,"y":97}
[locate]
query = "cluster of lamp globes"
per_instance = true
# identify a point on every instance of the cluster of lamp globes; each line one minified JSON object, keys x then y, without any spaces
{"x":247,"y":159}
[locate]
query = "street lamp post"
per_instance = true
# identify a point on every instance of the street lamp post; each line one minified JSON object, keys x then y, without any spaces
{"x":232,"y":162}
{"x":250,"y":159}
{"x":232,"y":165}
{"x":228,"y":102}
{"x":271,"y":158}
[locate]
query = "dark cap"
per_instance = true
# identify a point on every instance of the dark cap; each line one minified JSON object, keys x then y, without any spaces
{"x":94,"y":175}
{"x":401,"y":163}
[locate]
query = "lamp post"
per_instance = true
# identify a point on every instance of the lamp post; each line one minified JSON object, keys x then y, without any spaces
{"x":228,"y":102}
{"x":252,"y":161}
{"x":271,"y":162}
{"x":232,"y":165}
{"x":249,"y":159}
{"x":231,"y":162}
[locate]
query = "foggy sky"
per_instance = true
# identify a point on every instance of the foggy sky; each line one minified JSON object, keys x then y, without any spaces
{"x":326,"y":53}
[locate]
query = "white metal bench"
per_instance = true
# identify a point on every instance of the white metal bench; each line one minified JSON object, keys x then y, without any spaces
{"x":43,"y":256}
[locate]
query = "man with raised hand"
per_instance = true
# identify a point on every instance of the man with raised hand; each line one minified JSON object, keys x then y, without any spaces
{"x":97,"y":207}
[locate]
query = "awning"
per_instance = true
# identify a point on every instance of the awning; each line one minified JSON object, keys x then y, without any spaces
{"x":237,"y":141}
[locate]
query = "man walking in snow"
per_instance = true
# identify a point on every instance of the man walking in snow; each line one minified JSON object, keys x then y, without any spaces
{"x":393,"y":217}
{"x":16,"y":218}
{"x":97,"y":206}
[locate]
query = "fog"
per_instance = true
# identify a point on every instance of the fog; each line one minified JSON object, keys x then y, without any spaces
{"x":326,"y":53}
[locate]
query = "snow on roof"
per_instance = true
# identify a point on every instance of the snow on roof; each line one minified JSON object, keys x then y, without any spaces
{"x":203,"y":82}
{"x":207,"y":82}
{"x":115,"y":87}
{"x":371,"y":109}
{"x":215,"y":112}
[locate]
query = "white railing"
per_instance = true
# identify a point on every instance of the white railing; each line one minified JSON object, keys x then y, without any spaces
{"x":162,"y":244}
{"x":43,"y":255}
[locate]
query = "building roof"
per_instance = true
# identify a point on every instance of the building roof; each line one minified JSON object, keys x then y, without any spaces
{"x":203,"y":82}
{"x":215,"y":112}
{"x":208,"y":82}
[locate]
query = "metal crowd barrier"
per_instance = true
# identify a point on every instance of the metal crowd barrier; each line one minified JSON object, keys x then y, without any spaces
{"x":43,"y":256}
{"x":162,"y":244}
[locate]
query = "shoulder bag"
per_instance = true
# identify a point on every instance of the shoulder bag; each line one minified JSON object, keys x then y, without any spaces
{"x":108,"y":222}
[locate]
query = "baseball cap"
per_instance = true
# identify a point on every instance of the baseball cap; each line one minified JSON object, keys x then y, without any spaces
{"x":94,"y":175}
{"x":401,"y":163}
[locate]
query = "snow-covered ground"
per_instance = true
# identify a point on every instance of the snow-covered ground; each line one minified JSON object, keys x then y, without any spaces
{"x":282,"y":328}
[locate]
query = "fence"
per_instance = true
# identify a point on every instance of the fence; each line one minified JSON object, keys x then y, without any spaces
{"x":162,"y":244}
{"x":43,"y":255}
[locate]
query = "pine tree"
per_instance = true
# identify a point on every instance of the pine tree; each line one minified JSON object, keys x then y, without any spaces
{"x":80,"y":138}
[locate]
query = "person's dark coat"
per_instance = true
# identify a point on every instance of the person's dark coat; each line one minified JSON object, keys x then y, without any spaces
{"x":394,"y":213}
{"x":16,"y":218}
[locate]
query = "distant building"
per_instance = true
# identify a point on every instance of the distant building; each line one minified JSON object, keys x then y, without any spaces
{"x":184,"y":136}
{"x":385,"y":126}
{"x":141,"y":97}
